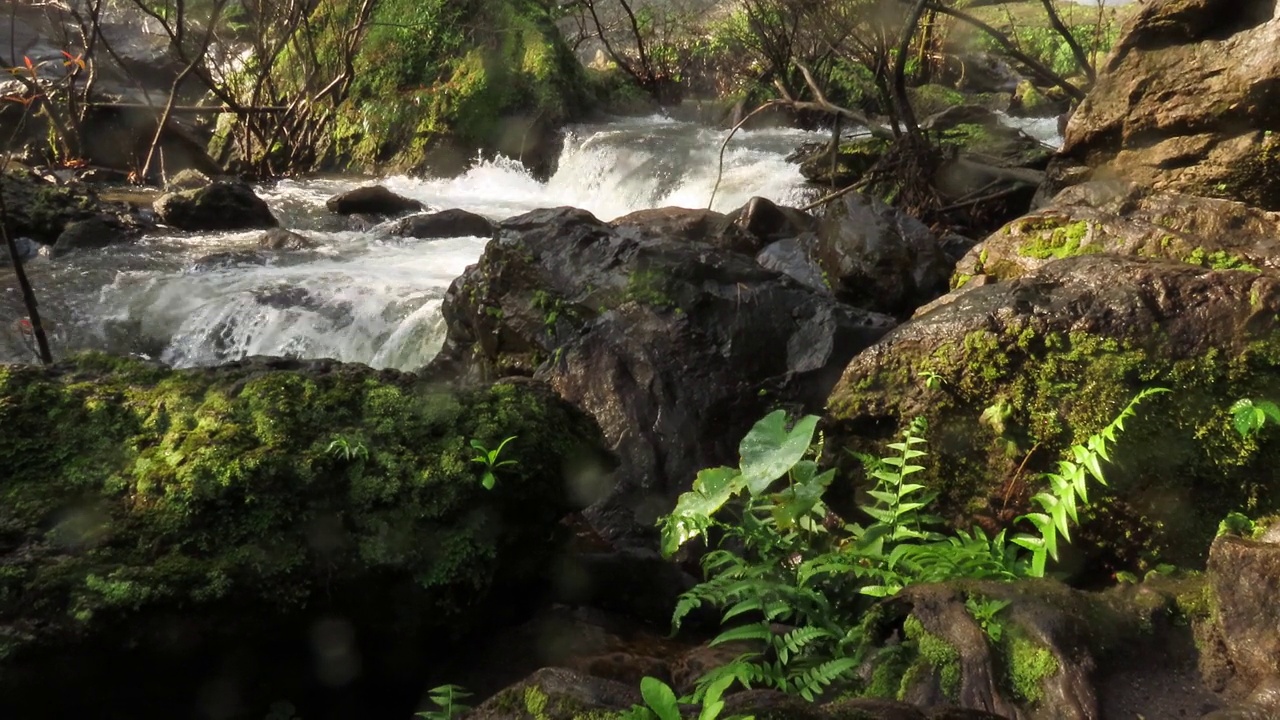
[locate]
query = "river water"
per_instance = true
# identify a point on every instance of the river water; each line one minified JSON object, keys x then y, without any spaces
{"x":365,"y":296}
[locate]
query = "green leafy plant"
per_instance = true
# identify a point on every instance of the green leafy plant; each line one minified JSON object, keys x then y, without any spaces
{"x":446,"y":699}
{"x":1250,"y":416}
{"x":784,"y":558}
{"x":490,"y":459}
{"x":1068,"y":489}
{"x":348,"y":449}
{"x":661,"y":702}
{"x":984,"y":611}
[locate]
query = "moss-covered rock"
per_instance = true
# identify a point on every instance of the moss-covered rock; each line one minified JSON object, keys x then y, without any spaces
{"x":437,"y":80}
{"x":192,"y":516}
{"x":1020,"y":371}
{"x":41,"y":210}
{"x":1125,"y":219}
{"x":1041,"y":655}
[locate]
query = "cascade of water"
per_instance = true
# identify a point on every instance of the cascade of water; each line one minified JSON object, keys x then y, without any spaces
{"x":366,"y":296}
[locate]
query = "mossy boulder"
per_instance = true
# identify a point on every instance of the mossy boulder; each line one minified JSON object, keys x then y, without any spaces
{"x":41,"y":210}
{"x":1045,"y":652}
{"x":1010,"y":375}
{"x":162,"y":523}
{"x":437,"y":80}
{"x":221,"y":205}
{"x":1125,"y":219}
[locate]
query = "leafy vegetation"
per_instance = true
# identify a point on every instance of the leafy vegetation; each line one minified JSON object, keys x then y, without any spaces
{"x":447,"y":699}
{"x":782,"y":556}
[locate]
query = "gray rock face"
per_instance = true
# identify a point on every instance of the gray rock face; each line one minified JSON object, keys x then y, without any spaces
{"x":1187,"y":101}
{"x":877,"y":257}
{"x":217,"y":206}
{"x":1245,"y":578}
{"x":675,"y":346}
{"x":95,"y":232}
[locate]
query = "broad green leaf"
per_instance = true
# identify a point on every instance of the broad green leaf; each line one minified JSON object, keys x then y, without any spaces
{"x":660,"y":698}
{"x":769,"y":450}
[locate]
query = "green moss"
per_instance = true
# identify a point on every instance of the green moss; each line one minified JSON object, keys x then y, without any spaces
{"x":1218,"y":260}
{"x":648,"y":287}
{"x":204,"y":490}
{"x":929,"y":100}
{"x":937,"y":654}
{"x":1048,"y":240}
{"x":1027,"y":666}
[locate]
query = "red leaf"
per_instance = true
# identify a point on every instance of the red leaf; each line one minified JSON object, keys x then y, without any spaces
{"x":27,"y":60}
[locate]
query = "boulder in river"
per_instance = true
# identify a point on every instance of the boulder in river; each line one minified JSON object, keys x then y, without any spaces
{"x":371,"y":200}
{"x":313,"y":529}
{"x":97,"y":231}
{"x":1009,"y":375}
{"x":444,"y":224}
{"x":1188,"y":100}
{"x":281,"y":239}
{"x":674,"y":346}
{"x":222,"y":205}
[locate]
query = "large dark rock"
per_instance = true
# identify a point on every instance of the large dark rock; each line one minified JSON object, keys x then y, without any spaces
{"x":281,"y":239}
{"x":674,"y":346}
{"x":443,"y":224}
{"x":95,"y":232}
{"x":1126,"y":219}
{"x":264,"y":529}
{"x":1187,"y":101}
{"x":875,"y":256}
{"x":371,"y":200}
{"x":222,"y":205}
{"x":1010,"y":375}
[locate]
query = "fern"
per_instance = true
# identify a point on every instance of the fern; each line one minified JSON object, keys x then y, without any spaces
{"x":1068,"y":488}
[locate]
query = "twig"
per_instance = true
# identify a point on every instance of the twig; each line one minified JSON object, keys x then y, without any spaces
{"x":28,"y":295}
{"x":720,"y":167}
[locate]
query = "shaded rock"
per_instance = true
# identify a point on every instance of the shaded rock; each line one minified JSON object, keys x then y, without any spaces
{"x":443,"y":224}
{"x":853,"y":158}
{"x":1245,"y":577}
{"x":95,"y":232}
{"x":1125,"y":219}
{"x":557,"y":694}
{"x":1059,"y":352}
{"x":769,"y":221}
{"x":281,"y":239}
{"x":1261,"y":704}
{"x":795,"y":258}
{"x":27,"y":249}
{"x":977,"y":130}
{"x":40,"y":210}
{"x":217,"y":206}
{"x":1054,"y":645}
{"x":263,"y":541}
{"x":189,"y":179}
{"x":1187,"y":101}
{"x":875,"y":256}
{"x":228,"y":258}
{"x":371,"y":200}
{"x":1032,"y":101}
{"x":981,"y":73}
{"x":675,"y":347}
{"x":634,"y":582}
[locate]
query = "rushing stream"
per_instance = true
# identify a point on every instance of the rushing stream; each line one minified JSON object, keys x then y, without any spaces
{"x":201,"y":299}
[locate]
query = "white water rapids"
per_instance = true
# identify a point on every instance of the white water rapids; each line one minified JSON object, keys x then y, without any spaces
{"x":365,"y":296}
